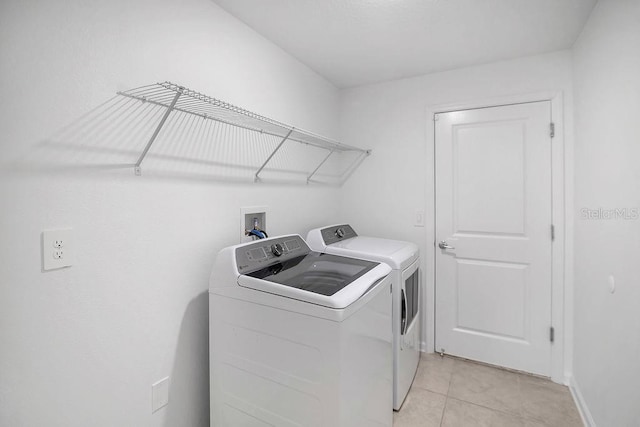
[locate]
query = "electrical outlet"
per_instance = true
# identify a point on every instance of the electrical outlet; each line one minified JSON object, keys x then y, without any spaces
{"x":57,"y":248}
{"x":159,"y":394}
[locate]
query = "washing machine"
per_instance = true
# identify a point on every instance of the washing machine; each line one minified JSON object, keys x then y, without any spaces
{"x":299,"y":338}
{"x":404,"y":259}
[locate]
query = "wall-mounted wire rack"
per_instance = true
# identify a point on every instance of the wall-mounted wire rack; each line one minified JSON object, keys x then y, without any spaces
{"x":176,"y":98}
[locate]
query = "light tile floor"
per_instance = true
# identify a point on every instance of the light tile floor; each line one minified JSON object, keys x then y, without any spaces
{"x":451,"y":392}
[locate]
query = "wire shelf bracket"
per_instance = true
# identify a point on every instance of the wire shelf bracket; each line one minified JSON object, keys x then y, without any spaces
{"x":177,"y":98}
{"x":137,"y":168}
{"x":319,"y":166}
{"x":273,"y":153}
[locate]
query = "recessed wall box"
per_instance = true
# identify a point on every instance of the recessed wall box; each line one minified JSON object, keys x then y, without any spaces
{"x":252,"y":217}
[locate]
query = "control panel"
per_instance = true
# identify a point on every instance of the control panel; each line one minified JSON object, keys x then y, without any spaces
{"x":262,"y":253}
{"x":337,"y":233}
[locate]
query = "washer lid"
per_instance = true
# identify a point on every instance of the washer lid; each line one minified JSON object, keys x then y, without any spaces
{"x":286,"y":266}
{"x":319,"y":273}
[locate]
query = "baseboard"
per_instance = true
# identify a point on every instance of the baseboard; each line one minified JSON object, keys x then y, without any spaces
{"x":424,"y":348}
{"x":587,"y":419}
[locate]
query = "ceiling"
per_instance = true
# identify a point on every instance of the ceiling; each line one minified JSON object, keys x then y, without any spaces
{"x":356,"y":42}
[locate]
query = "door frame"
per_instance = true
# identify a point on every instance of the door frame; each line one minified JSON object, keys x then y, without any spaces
{"x":562,"y":247}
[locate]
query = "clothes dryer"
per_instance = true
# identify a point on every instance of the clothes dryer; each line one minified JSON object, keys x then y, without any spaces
{"x":404,"y":259}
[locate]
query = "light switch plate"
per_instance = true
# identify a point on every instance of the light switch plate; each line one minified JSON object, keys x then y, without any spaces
{"x":58,"y":248}
{"x":419,"y":218}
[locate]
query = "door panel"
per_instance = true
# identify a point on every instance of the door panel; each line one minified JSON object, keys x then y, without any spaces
{"x":480,"y":176}
{"x":479,"y":310}
{"x":493,"y":209}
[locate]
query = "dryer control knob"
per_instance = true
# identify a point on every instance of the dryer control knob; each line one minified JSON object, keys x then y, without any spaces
{"x":340,"y":233}
{"x":277,"y":249}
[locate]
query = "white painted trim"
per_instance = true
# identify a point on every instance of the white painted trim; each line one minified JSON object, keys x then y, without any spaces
{"x":562,"y":283}
{"x":560,"y":305}
{"x":581,"y":404}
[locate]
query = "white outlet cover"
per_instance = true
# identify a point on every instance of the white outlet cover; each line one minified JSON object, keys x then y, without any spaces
{"x":58,"y":248}
{"x":419,"y":218}
{"x":159,"y":394}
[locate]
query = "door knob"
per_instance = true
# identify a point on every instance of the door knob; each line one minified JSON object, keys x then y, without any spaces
{"x":444,"y":245}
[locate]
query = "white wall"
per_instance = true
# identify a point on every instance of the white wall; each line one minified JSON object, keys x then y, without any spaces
{"x":82,"y":346}
{"x":607,"y":149}
{"x":382,"y":196}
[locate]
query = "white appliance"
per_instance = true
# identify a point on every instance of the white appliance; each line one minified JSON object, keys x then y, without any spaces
{"x":299,"y":338}
{"x":404,"y":259}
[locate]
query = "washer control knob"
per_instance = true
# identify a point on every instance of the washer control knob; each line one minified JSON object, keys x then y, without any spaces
{"x":340,"y":232}
{"x":277,"y":249}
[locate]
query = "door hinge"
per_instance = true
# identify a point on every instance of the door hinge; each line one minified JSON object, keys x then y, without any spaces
{"x":553,"y":232}
{"x":552,"y":334}
{"x":552,"y":129}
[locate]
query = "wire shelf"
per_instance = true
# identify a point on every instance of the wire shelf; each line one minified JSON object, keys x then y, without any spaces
{"x":176,"y":98}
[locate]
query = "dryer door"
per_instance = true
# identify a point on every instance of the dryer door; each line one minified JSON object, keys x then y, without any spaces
{"x":410,"y":299}
{"x":407,"y":342}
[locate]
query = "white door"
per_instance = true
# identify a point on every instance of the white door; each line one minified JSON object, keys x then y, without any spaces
{"x":493,"y":209}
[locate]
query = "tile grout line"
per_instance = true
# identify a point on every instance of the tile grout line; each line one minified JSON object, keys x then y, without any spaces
{"x":493,"y":409}
{"x":517,"y":415}
{"x":521,"y":383}
{"x":444,"y":409}
{"x":446,"y":400}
